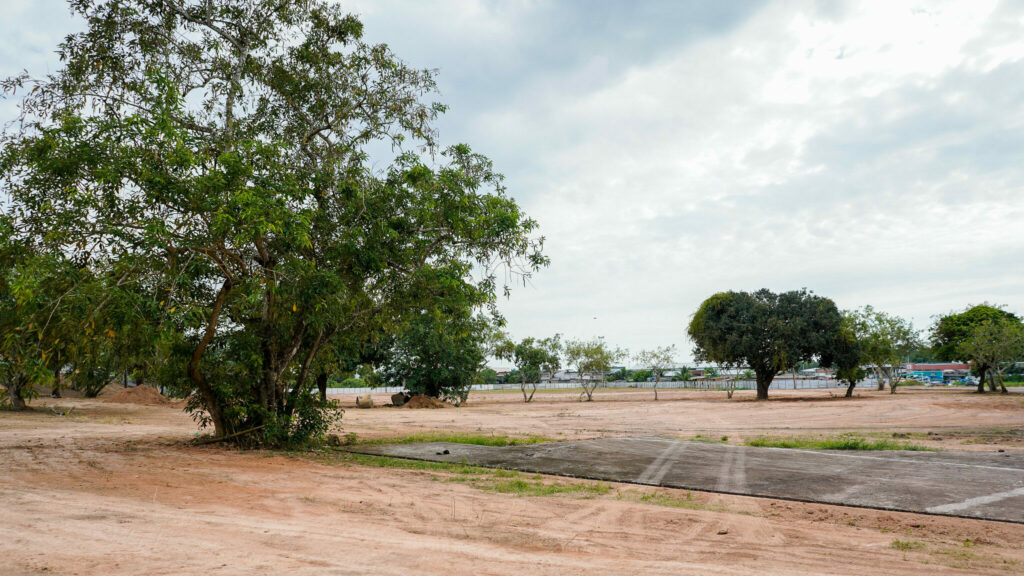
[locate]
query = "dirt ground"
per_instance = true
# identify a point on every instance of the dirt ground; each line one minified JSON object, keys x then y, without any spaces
{"x":113,"y":489}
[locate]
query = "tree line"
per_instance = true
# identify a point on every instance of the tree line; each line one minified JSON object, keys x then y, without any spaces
{"x":772,"y":332}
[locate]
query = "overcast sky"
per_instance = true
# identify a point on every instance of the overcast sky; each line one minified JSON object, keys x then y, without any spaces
{"x":872,"y":153}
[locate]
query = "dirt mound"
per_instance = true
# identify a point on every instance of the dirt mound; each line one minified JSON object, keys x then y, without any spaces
{"x":425,"y":402}
{"x":142,"y":395}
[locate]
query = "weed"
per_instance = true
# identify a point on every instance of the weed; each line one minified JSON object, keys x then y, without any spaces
{"x":906,"y":545}
{"x":841,"y":442}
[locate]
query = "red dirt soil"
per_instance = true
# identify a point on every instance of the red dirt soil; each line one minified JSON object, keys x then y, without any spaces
{"x":425,"y":402}
{"x":113,"y":489}
{"x":139,"y":395}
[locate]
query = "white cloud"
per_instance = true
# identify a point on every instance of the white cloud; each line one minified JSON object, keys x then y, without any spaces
{"x":868,"y":151}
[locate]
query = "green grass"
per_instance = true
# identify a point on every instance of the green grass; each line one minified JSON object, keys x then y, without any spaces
{"x":671,"y":500}
{"x":906,"y":545}
{"x":537,"y":487}
{"x":456,"y":438}
{"x":842,"y":442}
{"x":703,"y":438}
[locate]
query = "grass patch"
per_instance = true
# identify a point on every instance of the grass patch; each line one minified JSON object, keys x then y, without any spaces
{"x":842,"y":442}
{"x":703,"y":438}
{"x":906,"y":545}
{"x":489,"y":479}
{"x":670,"y":500}
{"x":537,"y":487}
{"x":455,"y":438}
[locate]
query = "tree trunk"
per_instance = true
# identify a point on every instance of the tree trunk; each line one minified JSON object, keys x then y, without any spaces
{"x":997,"y":380}
{"x":657,"y":380}
{"x":321,"y":385}
{"x":213,"y":406}
{"x":849,"y":389}
{"x":764,"y":380}
{"x":879,"y":378}
{"x":58,"y":383}
{"x":522,"y":385}
{"x":14,"y":386}
{"x":981,"y":382}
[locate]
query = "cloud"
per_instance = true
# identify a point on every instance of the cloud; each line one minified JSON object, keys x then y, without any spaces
{"x":867,"y":151}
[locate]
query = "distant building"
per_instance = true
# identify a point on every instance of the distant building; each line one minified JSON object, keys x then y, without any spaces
{"x":936,"y":372}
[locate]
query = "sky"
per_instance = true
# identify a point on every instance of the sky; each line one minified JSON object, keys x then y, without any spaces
{"x":870,"y":152}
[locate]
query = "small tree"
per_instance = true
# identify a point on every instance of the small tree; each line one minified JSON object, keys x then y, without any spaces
{"x":657,"y":361}
{"x":530,"y":356}
{"x":592,"y":359}
{"x":996,"y":344}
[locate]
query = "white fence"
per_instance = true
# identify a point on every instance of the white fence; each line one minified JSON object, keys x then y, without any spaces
{"x":777,"y":384}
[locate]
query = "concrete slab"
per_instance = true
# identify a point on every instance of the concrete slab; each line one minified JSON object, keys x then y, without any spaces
{"x":986,"y":485}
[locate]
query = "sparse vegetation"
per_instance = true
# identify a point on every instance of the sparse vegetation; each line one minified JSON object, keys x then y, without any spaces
{"x":842,"y":442}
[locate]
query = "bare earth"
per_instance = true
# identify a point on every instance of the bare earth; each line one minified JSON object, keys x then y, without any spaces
{"x":113,"y":489}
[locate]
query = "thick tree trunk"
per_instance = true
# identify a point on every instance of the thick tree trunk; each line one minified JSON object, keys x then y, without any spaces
{"x":14,"y":386}
{"x":58,"y":383}
{"x":195,"y":374}
{"x":849,"y":389}
{"x":321,"y":385}
{"x":764,"y":380}
{"x":981,"y":382}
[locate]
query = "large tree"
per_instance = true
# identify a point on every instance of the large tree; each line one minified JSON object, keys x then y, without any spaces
{"x":768,"y":332}
{"x":218,"y":153}
{"x":952,"y":331}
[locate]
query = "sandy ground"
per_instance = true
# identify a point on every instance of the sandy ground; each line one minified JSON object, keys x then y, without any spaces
{"x":113,"y":489}
{"x":955,"y":418}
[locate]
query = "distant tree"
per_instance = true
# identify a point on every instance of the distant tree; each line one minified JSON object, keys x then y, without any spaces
{"x":848,"y":351}
{"x":487,"y":376}
{"x":620,"y":375}
{"x":766,"y":331}
{"x":554,"y":348}
{"x":682,"y":375}
{"x":711,"y":372}
{"x":951,"y":332}
{"x":884,"y":341}
{"x":592,"y":359}
{"x":747,"y":374}
{"x":530,"y":356}
{"x":657,"y":361}
{"x":996,"y":344}
{"x":642,"y":375}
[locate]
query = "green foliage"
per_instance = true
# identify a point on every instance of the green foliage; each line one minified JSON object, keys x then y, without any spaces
{"x":655,"y":363}
{"x":206,"y":165}
{"x":996,"y":344}
{"x":641,"y":376}
{"x":768,"y":332}
{"x":842,"y":442}
{"x":530,"y":357}
{"x":950,"y":333}
{"x":883,"y":341}
{"x":592,"y":359}
{"x":440,"y":349}
{"x":486,"y":376}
